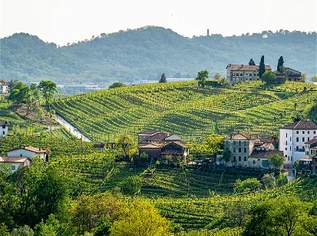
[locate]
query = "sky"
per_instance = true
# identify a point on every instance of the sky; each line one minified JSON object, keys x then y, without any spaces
{"x":63,"y":21}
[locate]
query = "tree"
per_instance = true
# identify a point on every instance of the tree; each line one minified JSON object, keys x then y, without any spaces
{"x":163,"y":79}
{"x":31,"y":97}
{"x":277,"y":161}
{"x":247,"y":185}
{"x":48,"y":89}
{"x":284,"y":215}
{"x":116,"y":85}
{"x":202,"y":77}
{"x":18,"y":92}
{"x":261,"y":67}
{"x":142,"y":219}
{"x":268,"y":181}
{"x":127,"y":145}
{"x":261,"y":223}
{"x":280,"y":64}
{"x":226,"y":157}
{"x":287,"y":213}
{"x":91,"y":212}
{"x":269,"y":77}
{"x":314,"y":78}
{"x":41,"y":191}
{"x":132,"y":185}
{"x":251,"y":62}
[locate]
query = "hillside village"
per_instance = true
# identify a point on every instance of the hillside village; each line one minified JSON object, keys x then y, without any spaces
{"x":186,"y":149}
{"x":296,"y":145}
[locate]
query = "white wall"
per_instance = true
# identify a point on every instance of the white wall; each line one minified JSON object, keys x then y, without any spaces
{"x":4,"y":129}
{"x":290,"y":140}
{"x":25,"y":153}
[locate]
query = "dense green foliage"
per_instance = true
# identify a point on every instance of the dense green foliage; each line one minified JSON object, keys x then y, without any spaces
{"x":145,"y":53}
{"x":184,"y":109}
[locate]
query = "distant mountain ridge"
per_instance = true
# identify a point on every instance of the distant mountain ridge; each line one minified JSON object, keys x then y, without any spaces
{"x":145,"y":53}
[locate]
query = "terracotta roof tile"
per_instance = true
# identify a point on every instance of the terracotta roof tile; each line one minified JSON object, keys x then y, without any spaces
{"x":301,"y":125}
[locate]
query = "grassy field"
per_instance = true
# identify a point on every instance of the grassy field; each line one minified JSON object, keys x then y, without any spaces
{"x":184,"y":109}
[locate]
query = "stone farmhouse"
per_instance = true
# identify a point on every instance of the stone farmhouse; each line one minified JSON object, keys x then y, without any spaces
{"x":162,"y":146}
{"x":249,"y":151}
{"x":29,"y":152}
{"x":14,"y":163}
{"x":239,"y":73}
{"x":289,"y":74}
{"x":22,"y":157}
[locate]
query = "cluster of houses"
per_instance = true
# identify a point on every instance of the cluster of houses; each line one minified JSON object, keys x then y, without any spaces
{"x":237,"y":73}
{"x":297,"y":143}
{"x":162,"y":146}
{"x":22,"y":157}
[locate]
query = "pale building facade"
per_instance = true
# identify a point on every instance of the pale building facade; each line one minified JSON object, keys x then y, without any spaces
{"x":241,"y":73}
{"x":4,"y":129}
{"x":293,"y":138}
{"x":4,"y":87}
{"x":29,"y":152}
{"x":14,"y":163}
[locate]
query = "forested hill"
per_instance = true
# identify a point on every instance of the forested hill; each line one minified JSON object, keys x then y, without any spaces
{"x":147,"y":52}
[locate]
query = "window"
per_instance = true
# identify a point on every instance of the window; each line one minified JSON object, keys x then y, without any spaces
{"x":297,"y":148}
{"x":308,"y":139}
{"x":314,"y":132}
{"x":303,"y":139}
{"x":297,"y":132}
{"x":234,"y":158}
{"x":286,"y":135}
{"x":297,"y":139}
{"x":245,"y":158}
{"x":303,"y":132}
{"x":245,"y":149}
{"x":13,"y":167}
{"x":285,"y":148}
{"x":239,"y":158}
{"x":239,"y":149}
{"x":308,"y":132}
{"x":286,"y":142}
{"x":290,"y":148}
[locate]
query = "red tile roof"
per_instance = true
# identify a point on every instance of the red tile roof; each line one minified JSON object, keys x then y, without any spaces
{"x":32,"y":149}
{"x":241,"y":67}
{"x":301,"y":125}
{"x":13,"y":159}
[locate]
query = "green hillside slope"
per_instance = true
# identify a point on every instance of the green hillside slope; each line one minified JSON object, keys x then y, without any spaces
{"x":146,"y":53}
{"x":184,"y":109}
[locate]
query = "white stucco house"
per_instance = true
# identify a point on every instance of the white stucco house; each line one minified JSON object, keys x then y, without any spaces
{"x":29,"y":152}
{"x":4,"y":87}
{"x":14,"y":163}
{"x":293,"y":138}
{"x":4,"y":129}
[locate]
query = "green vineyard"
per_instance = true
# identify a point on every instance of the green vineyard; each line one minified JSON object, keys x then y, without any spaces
{"x":185,"y":109}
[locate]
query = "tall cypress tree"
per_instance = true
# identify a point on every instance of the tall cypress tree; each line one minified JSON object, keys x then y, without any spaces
{"x":251,"y":62}
{"x":280,"y":64}
{"x":261,"y":67}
